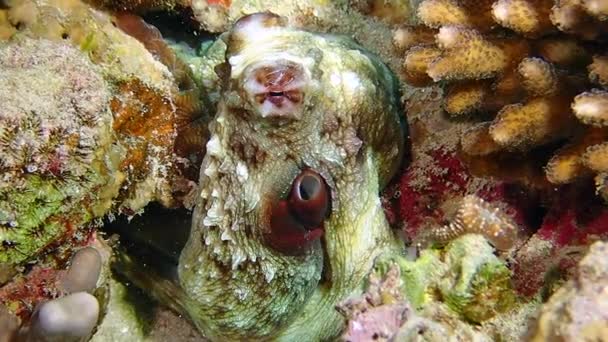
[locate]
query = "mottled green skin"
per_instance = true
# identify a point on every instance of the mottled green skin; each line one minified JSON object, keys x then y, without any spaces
{"x":236,"y":286}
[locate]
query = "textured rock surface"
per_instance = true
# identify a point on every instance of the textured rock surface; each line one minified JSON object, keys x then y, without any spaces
{"x":90,"y":120}
{"x":578,"y":311}
{"x":60,"y":165}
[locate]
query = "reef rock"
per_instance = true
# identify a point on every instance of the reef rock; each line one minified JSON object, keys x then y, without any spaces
{"x":578,"y":311}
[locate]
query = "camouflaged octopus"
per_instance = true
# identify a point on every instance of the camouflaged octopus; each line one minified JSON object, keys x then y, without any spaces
{"x":289,"y":220}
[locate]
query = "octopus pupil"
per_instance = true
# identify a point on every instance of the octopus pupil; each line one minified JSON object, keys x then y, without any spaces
{"x":276,"y":93}
{"x":309,"y":187}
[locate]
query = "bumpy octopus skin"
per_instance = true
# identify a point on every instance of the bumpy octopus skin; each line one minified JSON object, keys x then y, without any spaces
{"x":288,"y":220}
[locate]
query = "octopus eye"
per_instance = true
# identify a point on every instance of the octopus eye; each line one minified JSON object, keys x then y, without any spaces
{"x":277,"y":90}
{"x":309,"y":198}
{"x":297,"y":222}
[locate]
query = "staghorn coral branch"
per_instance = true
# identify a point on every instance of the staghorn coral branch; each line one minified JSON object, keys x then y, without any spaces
{"x":538,"y":77}
{"x":592,"y":107}
{"x":598,"y":70}
{"x":529,"y":76}
{"x":477,"y":141}
{"x":567,"y":164}
{"x":529,"y":18}
{"x":542,"y":119}
{"x":466,"y":13}
{"x":570,"y":16}
{"x":409,"y":36}
{"x":466,"y":55}
{"x":596,"y":8}
{"x":417,"y":62}
{"x":466,"y":97}
{"x":596,"y":158}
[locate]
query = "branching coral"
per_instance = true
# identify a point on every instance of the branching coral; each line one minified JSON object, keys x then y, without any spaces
{"x":532,"y":78}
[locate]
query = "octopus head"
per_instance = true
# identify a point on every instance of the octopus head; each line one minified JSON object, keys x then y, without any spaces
{"x":289,"y":221}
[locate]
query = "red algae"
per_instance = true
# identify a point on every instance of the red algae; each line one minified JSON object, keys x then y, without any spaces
{"x":412,"y":203}
{"x":427,"y":198}
{"x":23,"y":293}
{"x":574,"y":219}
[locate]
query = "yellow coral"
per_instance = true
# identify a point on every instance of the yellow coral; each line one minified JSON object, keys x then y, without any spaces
{"x":598,"y":70}
{"x":409,"y":36}
{"x":529,"y":18}
{"x":567,"y":163}
{"x":592,"y":107}
{"x":601,"y":185}
{"x":466,"y":55}
{"x":597,"y":8}
{"x":469,"y":13}
{"x":570,"y":16}
{"x":538,"y":77}
{"x":530,"y":77}
{"x":596,"y":157}
{"x":465,"y":97}
{"x":435,"y":13}
{"x":417,"y":62}
{"x":391,"y":11}
{"x":538,"y":121}
{"x":478,"y":142}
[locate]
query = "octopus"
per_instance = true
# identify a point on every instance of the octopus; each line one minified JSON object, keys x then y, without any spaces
{"x":287,"y":218}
